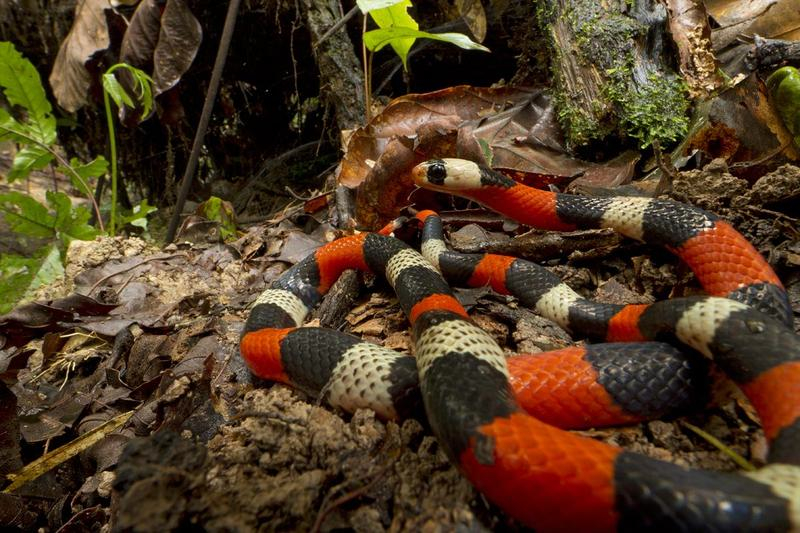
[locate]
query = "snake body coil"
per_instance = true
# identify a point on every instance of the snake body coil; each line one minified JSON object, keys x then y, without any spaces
{"x":543,"y":476}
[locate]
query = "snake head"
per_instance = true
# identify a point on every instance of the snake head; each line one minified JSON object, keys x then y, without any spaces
{"x":458,"y":176}
{"x":447,"y":175}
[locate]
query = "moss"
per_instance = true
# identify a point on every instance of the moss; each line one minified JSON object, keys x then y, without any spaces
{"x":655,"y":110}
{"x":581,"y":125}
{"x":545,"y":13}
{"x":603,"y":38}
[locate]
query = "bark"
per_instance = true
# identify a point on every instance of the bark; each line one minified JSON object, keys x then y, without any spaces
{"x":341,"y":77}
{"x":612,"y":71}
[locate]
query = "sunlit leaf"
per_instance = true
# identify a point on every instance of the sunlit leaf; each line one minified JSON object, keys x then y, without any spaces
{"x":28,"y":158}
{"x":22,"y":87}
{"x":21,"y":276}
{"x":377,"y":39}
{"x":396,"y":16}
{"x":115,"y":90}
{"x":370,"y":5}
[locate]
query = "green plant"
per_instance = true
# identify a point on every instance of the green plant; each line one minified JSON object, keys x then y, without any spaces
{"x":398,"y":29}
{"x":45,"y":228}
{"x":35,"y":133}
{"x":112,"y":90}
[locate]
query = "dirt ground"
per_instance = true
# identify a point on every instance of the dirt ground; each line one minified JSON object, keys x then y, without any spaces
{"x":208,"y":446}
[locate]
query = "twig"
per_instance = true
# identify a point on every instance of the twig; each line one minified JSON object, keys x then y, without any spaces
{"x":205,"y":116}
{"x":306,"y":199}
{"x":339,"y":23}
{"x":669,"y":175}
{"x":355,"y":493}
{"x":128,"y":269}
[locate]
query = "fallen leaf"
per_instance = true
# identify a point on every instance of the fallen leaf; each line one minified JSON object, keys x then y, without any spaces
{"x":473,"y":14}
{"x":403,"y":116}
{"x":777,"y":19}
{"x":164,"y":38}
{"x":509,"y":128}
{"x":70,"y":78}
{"x":297,"y":246}
{"x":688,"y":24}
{"x":31,"y":320}
{"x":10,"y":458}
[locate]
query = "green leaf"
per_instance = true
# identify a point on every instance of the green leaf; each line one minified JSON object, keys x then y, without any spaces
{"x":93,"y":169}
{"x":488,"y":154}
{"x":396,"y":16}
{"x":70,"y":223}
{"x":22,"y":87}
{"x":377,"y":39}
{"x":9,"y":127}
{"x":137,"y":216}
{"x":26,"y":216}
{"x":367,"y":6}
{"x":219,"y":210}
{"x":21,"y":276}
{"x":142,"y":84}
{"x":28,"y":158}
{"x":115,"y":90}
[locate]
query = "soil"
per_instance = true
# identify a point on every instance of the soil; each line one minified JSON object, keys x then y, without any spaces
{"x":211,"y":447}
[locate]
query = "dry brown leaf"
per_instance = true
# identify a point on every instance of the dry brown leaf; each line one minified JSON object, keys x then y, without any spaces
{"x":405,"y":115}
{"x":164,"y":41}
{"x":776,"y":19}
{"x":474,"y":17}
{"x":740,"y":125}
{"x":688,"y":24}
{"x":69,"y":78}
{"x":515,"y":128}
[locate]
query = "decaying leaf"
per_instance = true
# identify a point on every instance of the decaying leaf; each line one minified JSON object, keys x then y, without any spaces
{"x":740,"y":125}
{"x":29,"y":320}
{"x":514,"y":127}
{"x":741,"y":20}
{"x":778,"y":19}
{"x":10,"y":458}
{"x":474,"y":16}
{"x":70,"y":78}
{"x":164,"y":38}
{"x":688,"y":23}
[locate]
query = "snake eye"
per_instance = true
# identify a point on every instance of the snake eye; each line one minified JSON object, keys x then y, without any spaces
{"x":437,"y":172}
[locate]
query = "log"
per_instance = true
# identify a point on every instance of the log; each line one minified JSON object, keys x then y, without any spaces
{"x":612,"y":71}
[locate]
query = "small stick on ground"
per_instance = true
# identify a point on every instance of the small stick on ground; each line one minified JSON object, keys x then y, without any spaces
{"x":668,"y":172}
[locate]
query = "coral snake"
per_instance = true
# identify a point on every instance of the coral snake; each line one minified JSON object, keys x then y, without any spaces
{"x":545,"y":477}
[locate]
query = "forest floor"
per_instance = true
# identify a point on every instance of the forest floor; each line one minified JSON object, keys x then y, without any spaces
{"x":208,"y":444}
